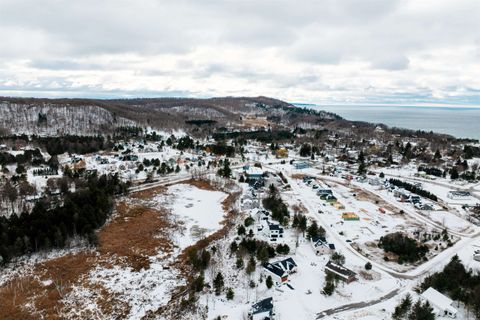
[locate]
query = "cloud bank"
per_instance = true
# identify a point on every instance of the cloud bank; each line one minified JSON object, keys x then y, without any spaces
{"x":322,"y":51}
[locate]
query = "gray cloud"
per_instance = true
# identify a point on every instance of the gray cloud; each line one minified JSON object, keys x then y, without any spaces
{"x":298,"y":49}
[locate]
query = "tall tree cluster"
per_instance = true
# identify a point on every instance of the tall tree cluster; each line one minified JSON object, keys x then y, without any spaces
{"x":50,"y":227}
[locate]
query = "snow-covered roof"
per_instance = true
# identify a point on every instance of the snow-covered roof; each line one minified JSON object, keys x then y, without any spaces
{"x":254,"y":171}
{"x":340,"y":270}
{"x":439,"y":300}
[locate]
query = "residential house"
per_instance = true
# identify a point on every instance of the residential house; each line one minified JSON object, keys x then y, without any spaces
{"x":350,"y":216}
{"x":301,"y":165}
{"x":375,"y":182}
{"x":253,"y":173}
{"x":273,"y":231}
{"x":440,"y":303}
{"x":321,"y":246}
{"x":281,"y":153}
{"x":324,"y":192}
{"x":343,"y":273}
{"x":262,"y":310}
{"x":415,"y":199}
{"x":280,"y":270}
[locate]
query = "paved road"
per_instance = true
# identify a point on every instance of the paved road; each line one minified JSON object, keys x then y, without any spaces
{"x":357,"y":305}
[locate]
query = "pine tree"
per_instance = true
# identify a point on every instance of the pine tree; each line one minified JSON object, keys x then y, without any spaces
{"x":251,"y":265}
{"x":218,"y":283}
{"x":269,"y":282}
{"x":230,"y":294}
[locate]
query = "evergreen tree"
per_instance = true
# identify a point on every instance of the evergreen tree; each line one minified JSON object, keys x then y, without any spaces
{"x":241,"y":230}
{"x":269,"y":282}
{"x":218,"y":283}
{"x":251,"y":265}
{"x":230,"y":294}
{"x":454,"y":174}
{"x":421,"y":311}
{"x":403,"y":308}
{"x":239,"y":263}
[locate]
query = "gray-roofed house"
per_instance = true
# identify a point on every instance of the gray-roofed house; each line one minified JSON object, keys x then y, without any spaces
{"x":262,"y":310}
{"x":343,"y":273}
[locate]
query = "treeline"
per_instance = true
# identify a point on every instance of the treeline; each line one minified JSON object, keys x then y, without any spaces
{"x":125,"y":132}
{"x":44,"y":228}
{"x":33,"y":157}
{"x":458,"y":283}
{"x":407,"y":249}
{"x":61,"y":144}
{"x":221,"y":149}
{"x":263,"y":136}
{"x":432,"y":171}
{"x":470,"y":152}
{"x":412,"y":188}
{"x":200,"y":122}
{"x":74,"y":144}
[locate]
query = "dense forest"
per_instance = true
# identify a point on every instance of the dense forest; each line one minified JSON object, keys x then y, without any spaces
{"x":60,"y":144}
{"x":48,"y":226}
{"x":263,"y":136}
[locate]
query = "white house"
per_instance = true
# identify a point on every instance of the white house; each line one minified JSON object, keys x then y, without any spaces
{"x":280,"y":270}
{"x":440,"y":303}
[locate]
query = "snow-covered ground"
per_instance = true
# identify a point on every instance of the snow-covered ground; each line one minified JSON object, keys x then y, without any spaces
{"x":200,"y":211}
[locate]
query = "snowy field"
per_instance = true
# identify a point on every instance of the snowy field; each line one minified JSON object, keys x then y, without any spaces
{"x":200,"y":211}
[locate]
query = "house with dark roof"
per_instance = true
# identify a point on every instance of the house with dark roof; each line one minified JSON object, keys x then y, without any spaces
{"x":262,"y":310}
{"x":280,"y":270}
{"x":274,"y":232}
{"x":343,"y":273}
{"x":321,"y":246}
{"x":326,"y":192}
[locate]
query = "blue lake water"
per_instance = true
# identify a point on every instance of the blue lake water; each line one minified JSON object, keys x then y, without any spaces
{"x":461,"y":122}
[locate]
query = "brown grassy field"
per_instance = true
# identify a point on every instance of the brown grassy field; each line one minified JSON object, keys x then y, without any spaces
{"x":136,"y":232}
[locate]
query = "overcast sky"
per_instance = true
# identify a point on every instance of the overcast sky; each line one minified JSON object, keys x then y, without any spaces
{"x":323,"y":51}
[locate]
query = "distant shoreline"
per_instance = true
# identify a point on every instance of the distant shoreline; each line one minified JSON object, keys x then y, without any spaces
{"x":460,"y":121}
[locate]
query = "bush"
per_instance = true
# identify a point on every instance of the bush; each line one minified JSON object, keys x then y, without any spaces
{"x":248,"y":221}
{"x":230,"y":294}
{"x":283,"y":249}
{"x":368,"y":266}
{"x":241,"y":230}
{"x":338,"y":258}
